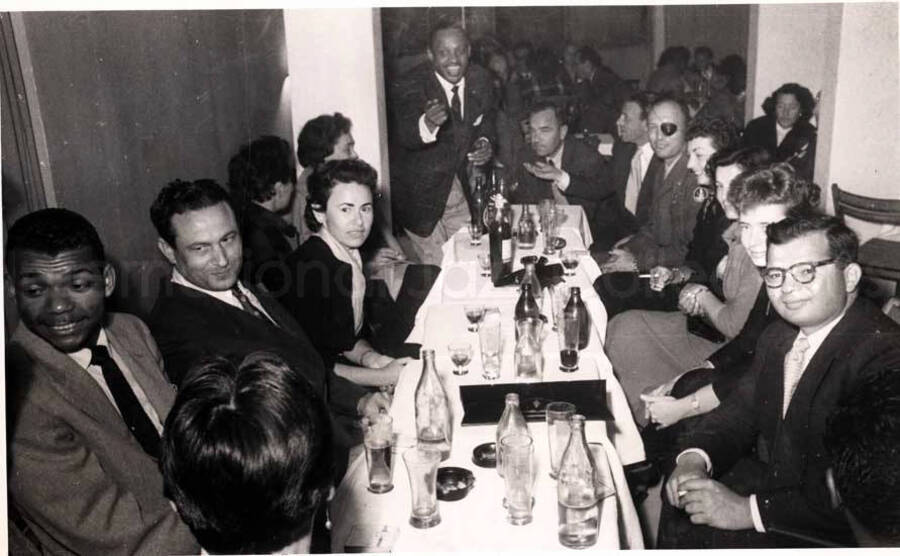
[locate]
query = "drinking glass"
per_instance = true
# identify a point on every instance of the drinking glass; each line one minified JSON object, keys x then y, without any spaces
{"x":484,"y":262}
{"x":559,"y":297}
{"x":518,"y":476}
{"x":421,"y":466}
{"x":490,"y":339}
{"x":550,"y":232}
{"x":377,"y":435}
{"x":474,"y":233}
{"x":570,"y":262}
{"x":474,"y":313}
{"x":568,"y":343}
{"x":460,"y":353}
{"x":558,"y":431}
{"x":546,"y":207}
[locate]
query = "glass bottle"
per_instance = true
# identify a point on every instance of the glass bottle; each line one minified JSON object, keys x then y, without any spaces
{"x":576,"y":307}
{"x":530,"y":277}
{"x":476,"y":184}
{"x":527,"y":231}
{"x":529,"y":358}
{"x":527,"y":305}
{"x":511,"y":422}
{"x":501,"y":246}
{"x":433,"y":419}
{"x":577,"y":491}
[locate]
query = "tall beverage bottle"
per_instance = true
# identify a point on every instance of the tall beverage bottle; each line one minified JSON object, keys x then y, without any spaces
{"x":501,"y":244}
{"x":511,"y":422}
{"x":433,"y":419}
{"x":578,"y":491}
{"x":576,"y":308}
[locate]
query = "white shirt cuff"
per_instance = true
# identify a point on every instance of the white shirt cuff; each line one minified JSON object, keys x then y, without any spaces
{"x":699,"y":452}
{"x":754,"y":513}
{"x":426,"y":135}
{"x":562,"y":182}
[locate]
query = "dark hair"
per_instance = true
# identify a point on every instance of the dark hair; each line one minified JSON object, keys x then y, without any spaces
{"x":843,"y":243}
{"x":747,"y":158}
{"x":703,"y":49}
{"x":678,"y":55}
{"x":776,"y":184}
{"x":182,"y":196}
{"x":319,"y":135}
{"x":51,"y":231}
{"x":258,"y":166}
{"x":644,"y":100}
{"x":247,"y":454}
{"x":862,"y":436}
{"x":802,"y":94}
{"x":736,"y":69}
{"x":722,"y":134}
{"x":541,"y":105}
{"x":588,"y":54}
{"x":445,"y":24}
{"x":327,"y":175}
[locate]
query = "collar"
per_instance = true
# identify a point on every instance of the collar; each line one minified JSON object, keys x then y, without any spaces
{"x":669,"y":165}
{"x":645,"y":150}
{"x":818,"y":337}
{"x":339,"y":250}
{"x":447,"y":86}
{"x":557,"y":156}
{"x":782,"y":130}
{"x":83,"y":356}
{"x":270,"y":219}
{"x":225,"y":296}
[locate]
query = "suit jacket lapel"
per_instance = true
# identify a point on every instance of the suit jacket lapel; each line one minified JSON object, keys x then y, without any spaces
{"x":144,"y":369}
{"x":69,"y":379}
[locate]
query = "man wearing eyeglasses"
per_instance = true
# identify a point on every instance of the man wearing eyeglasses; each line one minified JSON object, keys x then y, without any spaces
{"x":752,"y":473}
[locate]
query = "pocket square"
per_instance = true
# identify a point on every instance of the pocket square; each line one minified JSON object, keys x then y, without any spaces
{"x":477,"y":121}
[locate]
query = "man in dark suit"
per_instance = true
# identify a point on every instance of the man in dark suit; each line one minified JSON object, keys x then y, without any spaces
{"x":666,"y":203}
{"x":442,"y":116}
{"x":86,"y":400}
{"x":829,"y":341}
{"x":558,"y":166}
{"x":631,"y":157}
{"x":600,"y":93}
{"x":206,"y":311}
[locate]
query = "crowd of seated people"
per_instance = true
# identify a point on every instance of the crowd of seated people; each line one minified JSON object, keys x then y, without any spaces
{"x":736,"y":325}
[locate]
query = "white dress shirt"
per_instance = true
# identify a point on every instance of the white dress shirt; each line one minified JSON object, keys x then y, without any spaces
{"x":816,"y":339}
{"x":83,"y":358}
{"x":643,"y":155}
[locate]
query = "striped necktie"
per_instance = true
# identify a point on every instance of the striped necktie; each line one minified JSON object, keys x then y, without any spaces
{"x":793,"y":370}
{"x":248,"y":306}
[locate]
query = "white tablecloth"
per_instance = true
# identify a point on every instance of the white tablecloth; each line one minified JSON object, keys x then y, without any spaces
{"x":478,"y":522}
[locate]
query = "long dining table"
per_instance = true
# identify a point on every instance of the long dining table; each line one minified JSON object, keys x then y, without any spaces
{"x":380,"y":522}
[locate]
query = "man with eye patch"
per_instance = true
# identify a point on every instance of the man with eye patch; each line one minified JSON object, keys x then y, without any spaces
{"x":752,"y":472}
{"x":86,"y":399}
{"x":666,"y":206}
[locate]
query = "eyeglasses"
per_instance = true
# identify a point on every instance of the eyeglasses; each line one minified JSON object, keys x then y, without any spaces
{"x":802,"y":273}
{"x":668,"y":129}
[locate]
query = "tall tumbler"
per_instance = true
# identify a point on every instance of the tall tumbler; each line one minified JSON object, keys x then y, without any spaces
{"x":518,"y":475}
{"x":421,"y":466}
{"x":377,"y":440}
{"x":558,"y":431}
{"x":489,"y":336}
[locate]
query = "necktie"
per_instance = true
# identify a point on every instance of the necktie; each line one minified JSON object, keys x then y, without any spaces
{"x":633,"y":186}
{"x":134,"y":415}
{"x":793,"y":370}
{"x":247,"y":305}
{"x":455,"y":104}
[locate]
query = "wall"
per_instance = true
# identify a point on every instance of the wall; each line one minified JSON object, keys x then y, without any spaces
{"x":723,"y":28}
{"x":863,"y":138}
{"x":132,"y":100}
{"x":344,"y":75}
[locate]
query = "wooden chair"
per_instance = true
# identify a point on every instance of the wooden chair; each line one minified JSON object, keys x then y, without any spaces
{"x":879,"y":258}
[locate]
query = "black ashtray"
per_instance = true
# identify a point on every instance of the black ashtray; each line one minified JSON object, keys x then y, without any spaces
{"x":453,"y":483}
{"x":485,"y":455}
{"x":558,"y":243}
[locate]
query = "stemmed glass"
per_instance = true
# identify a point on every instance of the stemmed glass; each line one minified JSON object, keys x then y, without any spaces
{"x":460,"y":353}
{"x":474,"y":233}
{"x":474,"y":313}
{"x":484,"y":262}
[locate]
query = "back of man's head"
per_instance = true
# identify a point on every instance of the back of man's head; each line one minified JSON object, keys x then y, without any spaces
{"x":247,"y":454}
{"x":863,"y":439}
{"x":181,"y":196}
{"x":52,"y":231}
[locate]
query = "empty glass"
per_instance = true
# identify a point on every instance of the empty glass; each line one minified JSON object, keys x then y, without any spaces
{"x":474,"y":233}
{"x":377,"y":436}
{"x":421,"y":466}
{"x":551,"y":230}
{"x":491,"y":345}
{"x":603,"y":477}
{"x":460,"y":354}
{"x":518,"y":476}
{"x":558,"y":431}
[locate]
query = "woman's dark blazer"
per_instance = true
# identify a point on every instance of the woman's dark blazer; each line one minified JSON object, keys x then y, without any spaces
{"x":319,"y":297}
{"x":798,"y":147}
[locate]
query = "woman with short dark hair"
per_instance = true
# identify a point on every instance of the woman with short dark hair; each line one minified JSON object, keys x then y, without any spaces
{"x":785,"y":130}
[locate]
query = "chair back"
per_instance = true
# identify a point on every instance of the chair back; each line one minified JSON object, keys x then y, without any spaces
{"x":880,"y":211}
